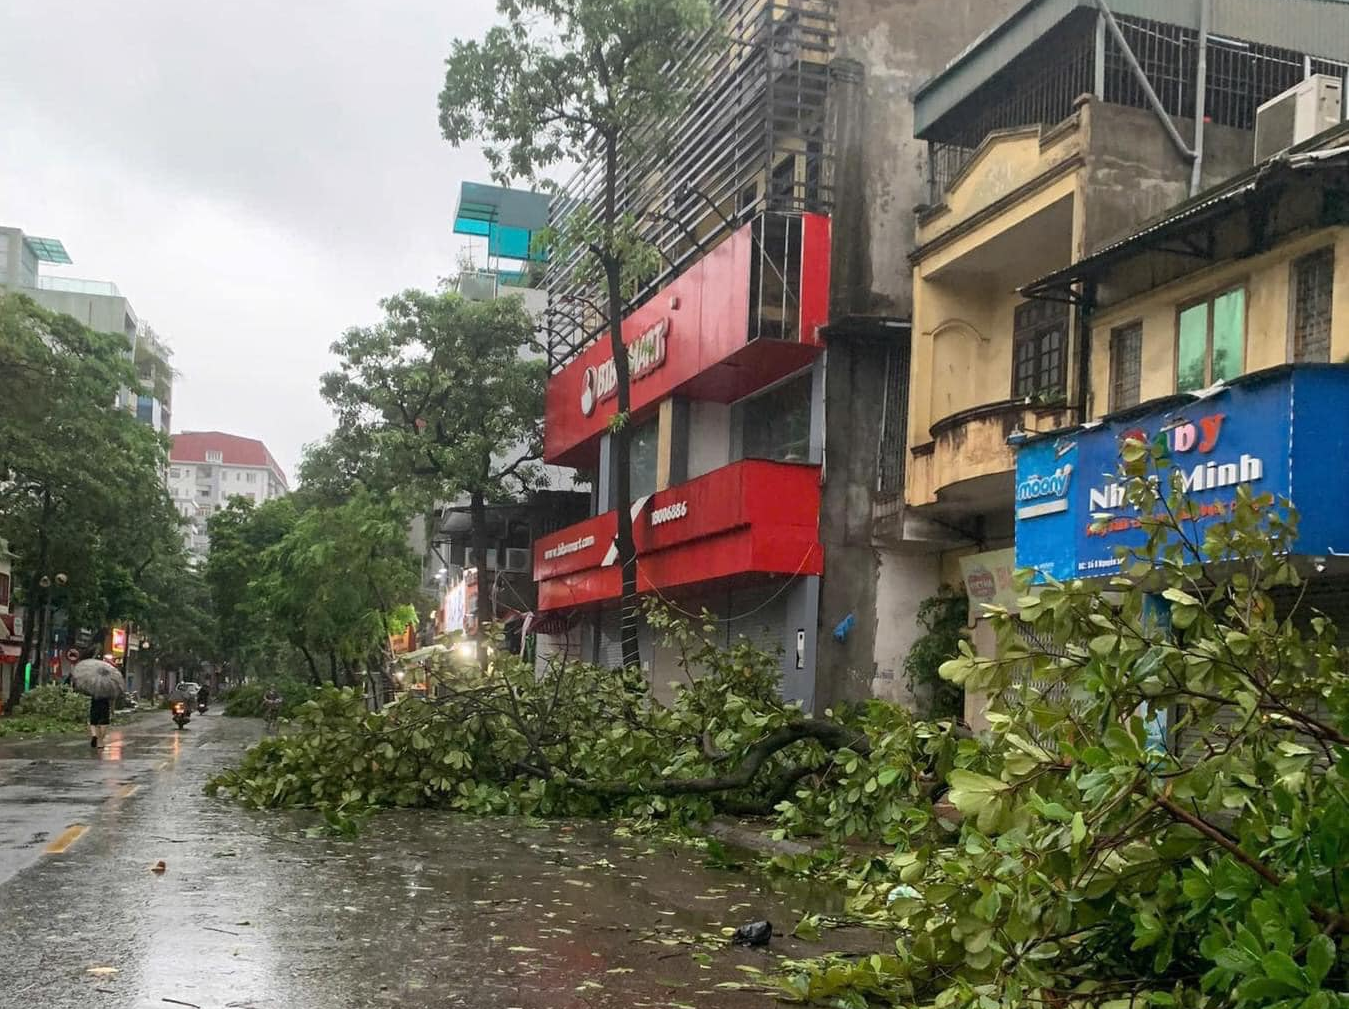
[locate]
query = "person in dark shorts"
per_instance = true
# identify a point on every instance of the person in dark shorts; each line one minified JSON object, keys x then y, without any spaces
{"x":100,"y":717}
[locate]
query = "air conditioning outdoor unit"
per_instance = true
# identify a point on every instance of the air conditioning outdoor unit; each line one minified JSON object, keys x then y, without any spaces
{"x":1300,"y":113}
{"x":517,"y":559}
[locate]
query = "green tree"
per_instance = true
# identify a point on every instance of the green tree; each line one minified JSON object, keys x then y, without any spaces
{"x":82,"y":492}
{"x":570,"y":81}
{"x":250,"y":637}
{"x":447,"y":393}
{"x":344,"y":580}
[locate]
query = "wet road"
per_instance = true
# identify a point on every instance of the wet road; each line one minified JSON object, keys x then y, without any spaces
{"x":422,"y":910}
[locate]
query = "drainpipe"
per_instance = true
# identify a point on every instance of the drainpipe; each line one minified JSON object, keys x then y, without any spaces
{"x":1200,"y":97}
{"x":1144,"y":83}
{"x":1085,"y":306}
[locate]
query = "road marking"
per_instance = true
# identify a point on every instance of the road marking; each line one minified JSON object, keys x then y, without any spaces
{"x":67,"y":838}
{"x":165,"y":766}
{"x":127,"y":791}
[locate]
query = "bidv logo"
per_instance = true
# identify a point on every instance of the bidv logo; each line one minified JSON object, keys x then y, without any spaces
{"x":1044,"y":495}
{"x":588,"y":397}
{"x":646,"y":354}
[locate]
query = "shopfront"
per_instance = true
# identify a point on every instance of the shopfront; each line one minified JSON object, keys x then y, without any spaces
{"x":1282,"y":432}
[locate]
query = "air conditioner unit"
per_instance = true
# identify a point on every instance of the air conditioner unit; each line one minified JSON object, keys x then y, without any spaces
{"x":517,"y":559}
{"x":1300,"y":113}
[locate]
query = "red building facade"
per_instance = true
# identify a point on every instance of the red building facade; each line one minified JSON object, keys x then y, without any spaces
{"x":726,"y":453}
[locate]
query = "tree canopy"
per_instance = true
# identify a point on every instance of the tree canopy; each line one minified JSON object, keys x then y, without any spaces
{"x":448,"y":393}
{"x":82,"y":493}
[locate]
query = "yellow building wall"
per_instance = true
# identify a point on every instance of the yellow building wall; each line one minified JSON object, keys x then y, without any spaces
{"x":1267,"y":279}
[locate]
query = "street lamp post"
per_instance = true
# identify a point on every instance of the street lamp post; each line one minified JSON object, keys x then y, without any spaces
{"x":45,"y":632}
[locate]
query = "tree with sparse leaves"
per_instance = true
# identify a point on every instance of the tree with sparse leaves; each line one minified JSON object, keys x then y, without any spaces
{"x":446,"y":392}
{"x":572,"y":81}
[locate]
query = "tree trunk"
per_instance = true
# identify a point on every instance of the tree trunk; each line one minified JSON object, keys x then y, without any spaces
{"x":478,"y":514}
{"x":40,"y":666}
{"x":17,"y":680}
{"x":332,"y":670}
{"x":619,"y":438}
{"x":314,"y":675}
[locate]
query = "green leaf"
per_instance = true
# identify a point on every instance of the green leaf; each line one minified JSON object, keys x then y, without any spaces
{"x":1079,"y":828}
{"x":1320,"y":958}
{"x":1280,"y":967}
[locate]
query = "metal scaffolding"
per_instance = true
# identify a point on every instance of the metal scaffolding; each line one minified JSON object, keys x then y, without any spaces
{"x":754,"y":141}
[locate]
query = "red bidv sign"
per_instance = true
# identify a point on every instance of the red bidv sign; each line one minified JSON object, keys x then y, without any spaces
{"x":749,"y":517}
{"x":692,"y":337}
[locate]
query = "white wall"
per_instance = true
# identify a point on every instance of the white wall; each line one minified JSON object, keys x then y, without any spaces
{"x":709,"y":437}
{"x":903,"y":582}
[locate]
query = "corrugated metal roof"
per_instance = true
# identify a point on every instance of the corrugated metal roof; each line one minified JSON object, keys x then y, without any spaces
{"x":1316,"y":152}
{"x":1319,"y":27}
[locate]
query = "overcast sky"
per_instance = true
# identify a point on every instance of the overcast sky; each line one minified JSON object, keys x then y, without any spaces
{"x":254,"y":176}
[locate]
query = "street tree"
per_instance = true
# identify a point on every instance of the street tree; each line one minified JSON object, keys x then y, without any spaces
{"x":344,"y":581}
{"x":449,"y":393}
{"x":568,"y":81}
{"x":250,"y":637}
{"x":81,"y":489}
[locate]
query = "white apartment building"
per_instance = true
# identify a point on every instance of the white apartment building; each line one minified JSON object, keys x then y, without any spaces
{"x":207,"y":469}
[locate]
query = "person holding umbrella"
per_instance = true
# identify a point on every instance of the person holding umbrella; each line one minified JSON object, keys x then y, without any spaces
{"x":104,"y":684}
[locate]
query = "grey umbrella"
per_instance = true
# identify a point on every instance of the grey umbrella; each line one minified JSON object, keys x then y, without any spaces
{"x":97,"y":679}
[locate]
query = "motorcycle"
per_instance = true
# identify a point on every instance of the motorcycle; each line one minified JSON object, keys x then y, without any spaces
{"x":201,"y":707}
{"x":180,"y":713}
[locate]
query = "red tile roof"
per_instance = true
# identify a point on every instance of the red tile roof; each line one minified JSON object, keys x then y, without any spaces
{"x":192,"y":446}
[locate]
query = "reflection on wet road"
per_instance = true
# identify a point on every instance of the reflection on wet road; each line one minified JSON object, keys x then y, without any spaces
{"x":423,"y":910}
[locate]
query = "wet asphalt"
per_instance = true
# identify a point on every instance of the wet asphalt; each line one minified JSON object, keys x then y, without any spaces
{"x":423,"y":909}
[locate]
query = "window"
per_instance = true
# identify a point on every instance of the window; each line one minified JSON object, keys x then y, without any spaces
{"x":776,"y":424}
{"x":1211,"y":341}
{"x":4,"y":589}
{"x":1313,"y":282}
{"x":204,"y":492}
{"x":214,"y":457}
{"x":1040,"y":350}
{"x":643,"y":453}
{"x":251,"y":478}
{"x":145,"y":409}
{"x":174,"y":472}
{"x":204,"y":471}
{"x":1126,"y":366}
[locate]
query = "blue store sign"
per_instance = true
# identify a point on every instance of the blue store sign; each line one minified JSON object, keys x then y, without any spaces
{"x":1283,"y":432}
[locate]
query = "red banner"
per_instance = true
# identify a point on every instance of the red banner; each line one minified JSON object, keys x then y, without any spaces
{"x":749,"y":517}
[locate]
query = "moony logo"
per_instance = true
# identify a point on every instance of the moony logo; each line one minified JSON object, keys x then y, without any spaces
{"x":1039,"y":495}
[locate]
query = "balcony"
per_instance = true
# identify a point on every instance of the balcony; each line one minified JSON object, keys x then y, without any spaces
{"x":968,"y":467}
{"x":744,"y":316}
{"x":751,"y":517}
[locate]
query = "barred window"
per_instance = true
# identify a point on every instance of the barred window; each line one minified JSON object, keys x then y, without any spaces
{"x":1126,"y":366}
{"x":1039,"y":349}
{"x":1313,"y":283}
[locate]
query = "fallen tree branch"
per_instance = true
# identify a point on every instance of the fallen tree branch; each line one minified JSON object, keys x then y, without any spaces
{"x":828,"y":734}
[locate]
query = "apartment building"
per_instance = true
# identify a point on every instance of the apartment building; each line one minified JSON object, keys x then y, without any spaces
{"x":1070,"y":124}
{"x":101,"y":306}
{"x":207,"y":469}
{"x":771,"y":351}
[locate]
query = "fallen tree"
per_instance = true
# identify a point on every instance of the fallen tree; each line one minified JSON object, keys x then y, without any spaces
{"x":580,"y":740}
